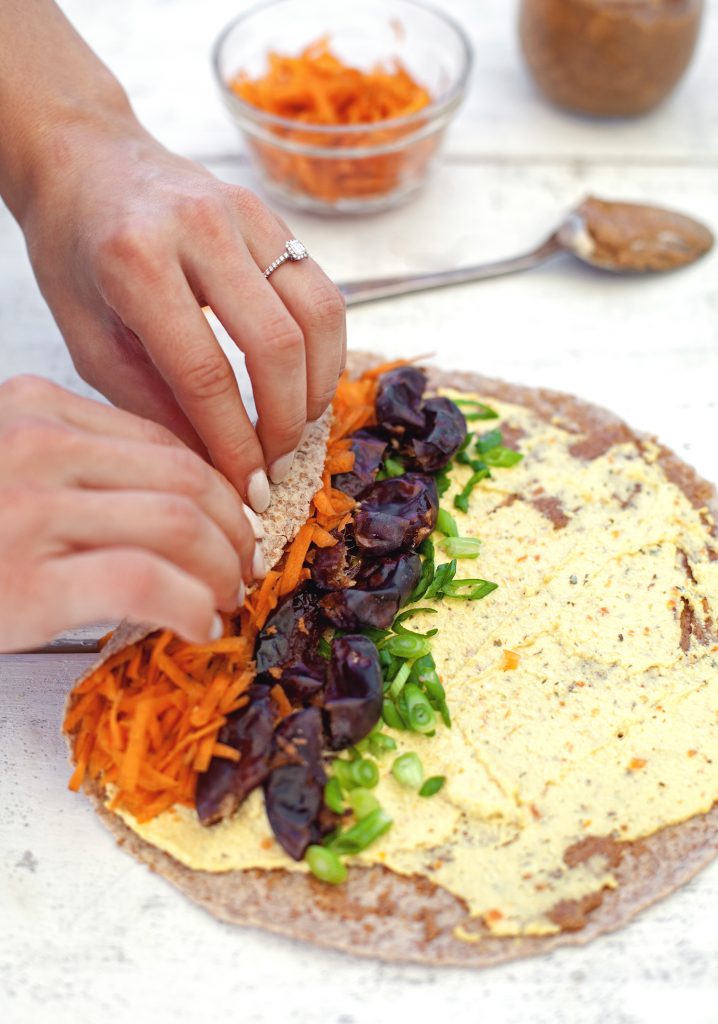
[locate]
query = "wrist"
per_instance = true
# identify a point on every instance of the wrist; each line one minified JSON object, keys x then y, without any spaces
{"x":53,"y":148}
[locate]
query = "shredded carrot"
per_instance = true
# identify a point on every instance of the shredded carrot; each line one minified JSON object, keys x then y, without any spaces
{"x":318,"y":88}
{"x":509,"y":660}
{"x":147,"y":721}
{"x":281,"y":700}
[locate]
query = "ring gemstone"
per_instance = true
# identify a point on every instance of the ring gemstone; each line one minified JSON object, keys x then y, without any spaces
{"x":296,"y":250}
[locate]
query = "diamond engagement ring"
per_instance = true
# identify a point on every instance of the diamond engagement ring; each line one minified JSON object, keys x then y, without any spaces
{"x":293,"y":250}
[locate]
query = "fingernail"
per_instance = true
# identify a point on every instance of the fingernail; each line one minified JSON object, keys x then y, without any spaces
{"x":255,"y":522}
{"x":216,"y":629}
{"x":311,"y":424}
{"x":241,"y":595}
{"x":258,"y":491}
{"x":259,"y":566}
{"x":279,"y":470}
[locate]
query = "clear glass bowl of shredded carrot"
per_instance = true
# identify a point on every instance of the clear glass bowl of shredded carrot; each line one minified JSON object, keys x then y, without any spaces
{"x":342,"y":105}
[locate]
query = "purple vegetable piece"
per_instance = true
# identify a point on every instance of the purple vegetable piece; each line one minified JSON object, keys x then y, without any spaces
{"x":294,"y":792}
{"x":335,"y":568}
{"x":396,"y":514}
{"x":353,"y":696}
{"x":442,"y":435}
{"x":289,"y":643}
{"x":225,"y":785}
{"x":398,"y":398}
{"x":382,"y":587}
{"x":369,"y":447}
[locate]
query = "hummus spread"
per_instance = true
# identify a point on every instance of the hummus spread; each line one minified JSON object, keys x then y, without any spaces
{"x":602,"y":722}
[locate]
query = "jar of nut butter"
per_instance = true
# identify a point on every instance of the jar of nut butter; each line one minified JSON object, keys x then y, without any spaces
{"x":609,"y":58}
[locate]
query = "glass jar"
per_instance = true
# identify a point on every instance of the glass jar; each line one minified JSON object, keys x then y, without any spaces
{"x":609,"y":58}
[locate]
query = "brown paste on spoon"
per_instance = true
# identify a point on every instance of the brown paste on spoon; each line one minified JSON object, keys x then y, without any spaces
{"x":629,"y":236}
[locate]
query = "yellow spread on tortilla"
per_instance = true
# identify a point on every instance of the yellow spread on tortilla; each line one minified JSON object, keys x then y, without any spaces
{"x":606,"y":727}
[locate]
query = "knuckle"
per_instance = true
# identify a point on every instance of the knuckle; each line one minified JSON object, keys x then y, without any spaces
{"x":185,"y":522}
{"x":26,"y":391}
{"x":207,"y":377}
{"x":285,"y":340}
{"x":203,"y":212}
{"x":125,"y":243}
{"x":140,"y":578}
{"x":190,"y":474}
{"x":248,"y":204}
{"x":27,"y":436}
{"x":327,"y":308}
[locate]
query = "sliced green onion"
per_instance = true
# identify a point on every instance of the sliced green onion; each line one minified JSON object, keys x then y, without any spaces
{"x":481,"y":411}
{"x":325,"y":865}
{"x":427,"y":575}
{"x":375,"y":635}
{"x":462,"y":500}
{"x":504,"y":458}
{"x":363,"y":802}
{"x":443,"y":482}
{"x":420,"y":712}
{"x":469,"y":590}
{"x":446,"y":523}
{"x":360,"y":772}
{"x":403,"y":616}
{"x":408,"y":770}
{"x":407,"y":646}
{"x":462,"y":547}
{"x":491,"y":439}
{"x":399,"y":679}
{"x":333,"y":796}
{"x":445,"y":714}
{"x":444,"y":573}
{"x":431,"y":683}
{"x":391,"y":716}
{"x":363,"y":834}
{"x":392,"y":467}
{"x":380,"y":744}
{"x":432,"y":785}
{"x":324,"y":647}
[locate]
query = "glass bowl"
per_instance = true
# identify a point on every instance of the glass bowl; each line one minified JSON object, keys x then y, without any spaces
{"x":349,"y":168}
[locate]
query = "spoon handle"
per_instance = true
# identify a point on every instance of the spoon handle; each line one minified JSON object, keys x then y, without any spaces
{"x":355,"y":292}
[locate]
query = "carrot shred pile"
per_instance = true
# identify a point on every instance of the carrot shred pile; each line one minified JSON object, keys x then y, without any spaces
{"x":147,"y":720}
{"x":318,"y":88}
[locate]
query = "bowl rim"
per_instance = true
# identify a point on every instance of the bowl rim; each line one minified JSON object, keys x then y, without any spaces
{"x":433,"y":109}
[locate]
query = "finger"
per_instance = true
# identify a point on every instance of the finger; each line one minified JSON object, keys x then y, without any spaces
{"x":273,"y":344}
{"x":164,"y":524}
{"x":184,"y":350}
{"x":318,"y":307}
{"x":39,"y":451}
{"x":118,"y":583}
{"x":313,"y":300}
{"x":28,"y":394}
{"x":118,"y":366}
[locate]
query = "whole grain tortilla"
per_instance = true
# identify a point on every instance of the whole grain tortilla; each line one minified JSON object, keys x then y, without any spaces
{"x":377,"y":913}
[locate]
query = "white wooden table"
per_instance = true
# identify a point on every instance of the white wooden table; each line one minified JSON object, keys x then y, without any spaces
{"x":88,"y":935}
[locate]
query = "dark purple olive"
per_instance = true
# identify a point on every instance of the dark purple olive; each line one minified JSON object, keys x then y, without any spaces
{"x":443,"y":433}
{"x":354,"y":692}
{"x":396,"y":514}
{"x":335,"y":568}
{"x":369,"y":447}
{"x":294,"y":792}
{"x":382,"y":587}
{"x":226,"y":784}
{"x":287,"y":646}
{"x":398,"y":398}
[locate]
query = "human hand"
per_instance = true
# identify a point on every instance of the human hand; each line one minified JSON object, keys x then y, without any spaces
{"x":105,"y":515}
{"x":128,"y":242}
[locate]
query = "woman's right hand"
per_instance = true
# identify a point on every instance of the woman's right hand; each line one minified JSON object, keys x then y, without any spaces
{"x":105,"y":515}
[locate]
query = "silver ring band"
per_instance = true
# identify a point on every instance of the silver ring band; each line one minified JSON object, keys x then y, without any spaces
{"x":293,"y":250}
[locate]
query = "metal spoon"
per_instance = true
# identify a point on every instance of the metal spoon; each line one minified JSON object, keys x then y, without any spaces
{"x":626,"y":238}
